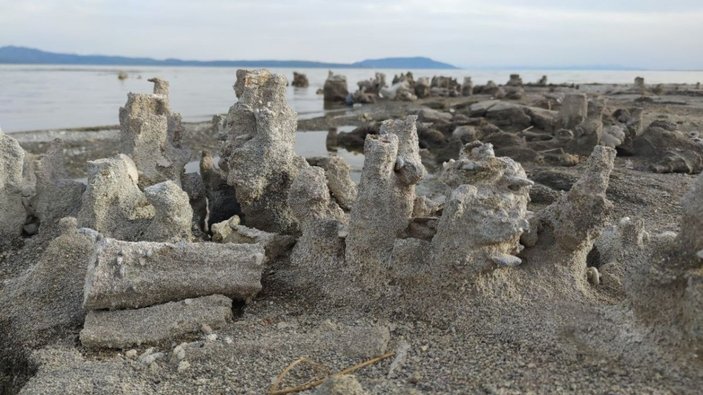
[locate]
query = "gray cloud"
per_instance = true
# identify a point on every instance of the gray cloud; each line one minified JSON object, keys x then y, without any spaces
{"x":472,"y":33}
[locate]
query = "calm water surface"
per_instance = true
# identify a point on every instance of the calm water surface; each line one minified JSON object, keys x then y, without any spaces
{"x":54,"y":97}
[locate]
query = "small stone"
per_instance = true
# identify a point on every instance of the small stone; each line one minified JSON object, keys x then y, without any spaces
{"x":148,"y":359}
{"x":154,"y":367}
{"x":131,"y":354}
{"x":31,"y":229}
{"x":183,"y":366}
{"x":593,"y":275}
{"x":228,"y":340}
{"x":179,"y":352}
{"x":206,"y":329}
{"x":211,"y":337}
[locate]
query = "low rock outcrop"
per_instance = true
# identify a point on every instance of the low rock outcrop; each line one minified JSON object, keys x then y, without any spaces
{"x":300,"y":80}
{"x":137,"y":274}
{"x":335,"y":88}
{"x":154,"y":324}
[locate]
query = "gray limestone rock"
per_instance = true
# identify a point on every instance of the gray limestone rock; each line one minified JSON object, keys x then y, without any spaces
{"x":341,"y":385}
{"x":576,"y":218}
{"x":231,"y":231}
{"x":573,"y":111}
{"x":320,"y":247}
{"x":300,"y":80}
{"x":193,"y":185}
{"x":112,"y":203}
{"x":669,"y":150}
{"x":137,"y":274}
{"x":260,"y":151}
{"x":486,"y":213}
{"x":150,"y":135}
{"x":382,"y":211}
{"x":589,"y":133}
{"x":422,"y":87}
{"x":154,"y":324}
{"x":173,"y":213}
{"x":690,"y":238}
{"x":338,"y":174}
{"x":467,"y":87}
{"x":46,"y":298}
{"x":221,"y":198}
{"x":12,"y":210}
{"x":335,"y":88}
{"x":57,"y":195}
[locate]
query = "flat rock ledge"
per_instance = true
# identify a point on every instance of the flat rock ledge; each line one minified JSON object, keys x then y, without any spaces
{"x":154,"y":324}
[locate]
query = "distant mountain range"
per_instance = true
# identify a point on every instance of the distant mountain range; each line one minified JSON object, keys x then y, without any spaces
{"x":24,"y":55}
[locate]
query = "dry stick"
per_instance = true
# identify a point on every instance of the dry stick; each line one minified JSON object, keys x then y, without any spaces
{"x":527,"y":129}
{"x":316,"y":382}
{"x":277,"y":382}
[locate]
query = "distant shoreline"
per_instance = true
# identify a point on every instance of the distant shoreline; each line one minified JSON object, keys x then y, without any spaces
{"x":24,"y":55}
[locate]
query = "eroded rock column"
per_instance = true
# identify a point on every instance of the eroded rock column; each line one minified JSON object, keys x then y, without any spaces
{"x":384,"y":205}
{"x":260,"y":150}
{"x":150,"y":135}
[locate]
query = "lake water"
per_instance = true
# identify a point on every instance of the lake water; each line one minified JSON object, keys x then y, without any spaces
{"x":54,"y":97}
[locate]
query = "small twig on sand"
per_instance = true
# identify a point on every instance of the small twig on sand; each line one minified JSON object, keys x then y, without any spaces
{"x":273,"y":390}
{"x":527,"y":129}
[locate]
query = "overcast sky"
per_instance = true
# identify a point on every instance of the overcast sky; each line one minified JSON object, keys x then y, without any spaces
{"x":468,"y":33}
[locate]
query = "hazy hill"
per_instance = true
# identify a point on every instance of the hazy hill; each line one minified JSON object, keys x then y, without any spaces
{"x":24,"y":55}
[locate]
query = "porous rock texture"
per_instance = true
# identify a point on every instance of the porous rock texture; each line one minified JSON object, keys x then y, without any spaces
{"x":136,"y":274}
{"x":338,"y":174}
{"x":12,"y":210}
{"x":320,"y":249}
{"x":151,"y":134}
{"x":221,"y":199}
{"x":260,"y":151}
{"x":486,"y":213}
{"x":567,"y":229}
{"x":172,"y":212}
{"x":573,"y":111}
{"x":154,"y":324}
{"x":341,"y":385}
{"x":668,"y":149}
{"x":46,"y":298}
{"x":589,"y":132}
{"x":690,"y":238}
{"x":114,"y":205}
{"x":382,"y":211}
{"x":57,"y":196}
{"x":232,"y":231}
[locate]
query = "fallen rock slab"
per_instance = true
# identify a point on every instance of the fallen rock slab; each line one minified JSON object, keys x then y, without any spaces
{"x":152,"y":325}
{"x":136,"y":274}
